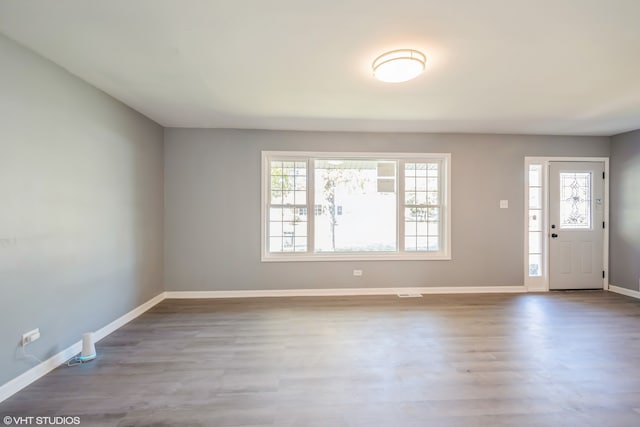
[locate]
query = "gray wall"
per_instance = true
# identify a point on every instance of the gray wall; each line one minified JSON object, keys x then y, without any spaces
{"x":81,"y":199}
{"x":212,"y":209}
{"x":624,"y":255}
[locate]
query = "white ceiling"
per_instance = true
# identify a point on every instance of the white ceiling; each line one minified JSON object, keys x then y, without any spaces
{"x":499,"y":66}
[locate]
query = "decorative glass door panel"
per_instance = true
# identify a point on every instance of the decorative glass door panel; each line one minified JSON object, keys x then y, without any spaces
{"x":575,"y":200}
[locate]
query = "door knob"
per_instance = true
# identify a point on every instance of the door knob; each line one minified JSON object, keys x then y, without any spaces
{"x":554,"y":235}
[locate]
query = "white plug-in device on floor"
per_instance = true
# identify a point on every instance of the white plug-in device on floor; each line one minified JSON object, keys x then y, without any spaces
{"x":88,"y":348}
{"x":88,"y":352}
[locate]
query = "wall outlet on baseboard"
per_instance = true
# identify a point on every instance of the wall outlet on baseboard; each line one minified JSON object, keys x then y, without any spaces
{"x":357,"y":272}
{"x":31,"y":336}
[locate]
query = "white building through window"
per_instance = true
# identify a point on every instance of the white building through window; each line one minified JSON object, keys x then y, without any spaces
{"x":365,"y":206}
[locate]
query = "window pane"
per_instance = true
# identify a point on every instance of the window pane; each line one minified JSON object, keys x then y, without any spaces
{"x":409,"y":184}
{"x":300,"y":228}
{"x":288,"y":183}
{"x":276,"y":197}
{"x":287,"y":211}
{"x":432,"y":198}
{"x":433,"y":229}
{"x":410,"y":198}
{"x":300,"y":244}
{"x":288,"y":197}
{"x":275,"y":244}
{"x":421,"y":184}
{"x":354,"y":215}
{"x":421,"y":243}
{"x":288,"y":214}
{"x":300,"y":183}
{"x":421,"y":197}
{"x":300,"y":198}
{"x":287,"y":229}
{"x":410,"y":169}
{"x":535,"y":265}
{"x":535,"y":172}
{"x":535,"y":242}
{"x":422,"y":224}
{"x":275,"y":228}
{"x":535,"y":220}
{"x":421,"y":229}
{"x":386,"y":185}
{"x":276,"y":183}
{"x":415,"y":214}
{"x":434,"y":243}
{"x":410,"y":243}
{"x":535,"y":198}
{"x":432,"y":184}
{"x":411,"y":228}
{"x":387,"y":169}
{"x":575,"y":200}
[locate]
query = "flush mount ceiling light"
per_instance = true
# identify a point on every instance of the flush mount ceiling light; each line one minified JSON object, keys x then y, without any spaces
{"x":399,"y":65}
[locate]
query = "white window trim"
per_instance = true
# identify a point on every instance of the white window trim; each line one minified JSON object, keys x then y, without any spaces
{"x":443,"y":255}
{"x":541,"y":283}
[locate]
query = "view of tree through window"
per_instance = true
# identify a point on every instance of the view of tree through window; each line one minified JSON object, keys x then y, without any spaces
{"x":368,"y":211}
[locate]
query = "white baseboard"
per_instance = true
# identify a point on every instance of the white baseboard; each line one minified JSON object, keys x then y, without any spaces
{"x":624,"y":291}
{"x":15,"y":385}
{"x":123,"y":320}
{"x":344,"y":292}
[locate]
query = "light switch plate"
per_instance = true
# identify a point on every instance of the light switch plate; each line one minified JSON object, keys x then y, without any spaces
{"x":504,"y":204}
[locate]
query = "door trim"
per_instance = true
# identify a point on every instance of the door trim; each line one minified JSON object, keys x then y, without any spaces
{"x":541,"y":283}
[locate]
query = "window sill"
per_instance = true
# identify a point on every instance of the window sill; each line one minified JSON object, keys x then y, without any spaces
{"x":433,"y":256}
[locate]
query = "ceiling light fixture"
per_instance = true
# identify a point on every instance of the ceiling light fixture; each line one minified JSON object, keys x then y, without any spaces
{"x":399,"y":65}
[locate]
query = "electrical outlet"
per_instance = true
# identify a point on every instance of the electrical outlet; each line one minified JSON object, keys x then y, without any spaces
{"x":357,"y":272}
{"x":31,"y":336}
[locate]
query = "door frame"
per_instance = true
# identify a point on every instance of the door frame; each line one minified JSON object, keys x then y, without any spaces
{"x":541,"y":283}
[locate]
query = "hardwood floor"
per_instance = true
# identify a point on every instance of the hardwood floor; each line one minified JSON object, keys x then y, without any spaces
{"x":553,"y":359}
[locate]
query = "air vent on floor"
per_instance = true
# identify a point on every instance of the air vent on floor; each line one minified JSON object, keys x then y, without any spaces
{"x":409,"y":295}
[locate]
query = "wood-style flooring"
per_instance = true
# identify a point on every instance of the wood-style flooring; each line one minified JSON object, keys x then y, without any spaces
{"x":553,"y":359}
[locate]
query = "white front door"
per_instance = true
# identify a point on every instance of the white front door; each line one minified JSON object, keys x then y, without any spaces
{"x":576,"y":227}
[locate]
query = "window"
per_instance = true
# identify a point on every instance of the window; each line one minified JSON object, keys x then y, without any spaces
{"x":422,"y":206}
{"x":535,"y":220}
{"x":365,"y":206}
{"x":575,"y":200}
{"x":349,"y":189}
{"x":288,"y":206}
